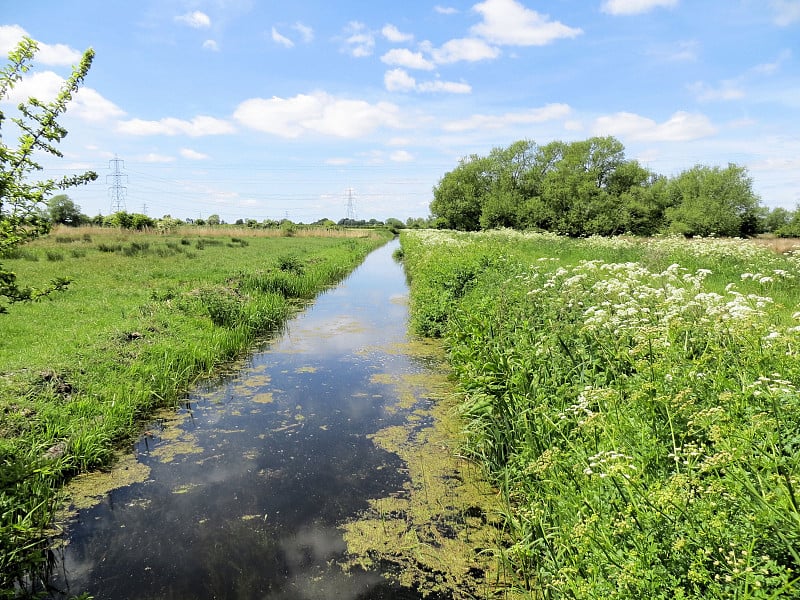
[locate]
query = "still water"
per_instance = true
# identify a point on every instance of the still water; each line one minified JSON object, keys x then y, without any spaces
{"x":248,"y":486}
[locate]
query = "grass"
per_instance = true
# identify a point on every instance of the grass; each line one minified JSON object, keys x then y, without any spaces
{"x":144,"y":317}
{"x":637,"y":402}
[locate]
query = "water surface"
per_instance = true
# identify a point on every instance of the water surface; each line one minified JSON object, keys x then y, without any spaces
{"x":247,"y":491}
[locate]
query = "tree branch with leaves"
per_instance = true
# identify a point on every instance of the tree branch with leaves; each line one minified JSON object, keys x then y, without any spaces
{"x":21,"y":196}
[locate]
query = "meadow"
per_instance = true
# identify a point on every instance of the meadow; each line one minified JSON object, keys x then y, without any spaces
{"x":635,"y":402}
{"x":144,"y":317}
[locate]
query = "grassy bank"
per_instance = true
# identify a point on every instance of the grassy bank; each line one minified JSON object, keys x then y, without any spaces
{"x":145,"y":316}
{"x":636,"y":402}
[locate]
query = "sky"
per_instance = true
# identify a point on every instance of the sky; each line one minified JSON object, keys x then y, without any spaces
{"x":270,"y":110}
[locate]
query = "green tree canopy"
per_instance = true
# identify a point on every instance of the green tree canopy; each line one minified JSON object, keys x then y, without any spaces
{"x":589,"y":187}
{"x":713,"y":201}
{"x":62,"y":210}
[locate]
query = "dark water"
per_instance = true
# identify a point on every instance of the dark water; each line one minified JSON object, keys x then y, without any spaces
{"x":246,"y":502}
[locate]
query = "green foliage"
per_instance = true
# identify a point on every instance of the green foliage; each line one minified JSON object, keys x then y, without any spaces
{"x":63,"y":211}
{"x":134,"y":221}
{"x":712,"y":201}
{"x":637,"y":404}
{"x":21,"y":198}
{"x":589,"y":188}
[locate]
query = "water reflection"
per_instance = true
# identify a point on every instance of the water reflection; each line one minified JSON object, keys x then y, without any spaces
{"x":246,"y":493}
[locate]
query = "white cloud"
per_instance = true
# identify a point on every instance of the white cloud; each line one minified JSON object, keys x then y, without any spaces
{"x":467,"y":49}
{"x":398,"y":141}
{"x":398,"y":80}
{"x":451,"y":87}
{"x":197,"y":127}
{"x":196,"y":20}
{"x":509,"y":22}
{"x":445,"y":10}
{"x":786,"y":11}
{"x":634,"y":7}
{"x":318,"y":113}
{"x":393,"y":34}
{"x":680,"y":127}
{"x":47,"y":54}
{"x":360,"y":41}
{"x":401,"y":156}
{"x":280,"y":39}
{"x":87,"y":104}
{"x":193,"y":154}
{"x":728,"y":90}
{"x":337,"y":162}
{"x":403,"y":57}
{"x":306,"y":32}
{"x":211,"y":45}
{"x":550,"y":112}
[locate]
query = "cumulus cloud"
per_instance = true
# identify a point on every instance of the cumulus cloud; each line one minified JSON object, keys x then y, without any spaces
{"x":193,"y":154}
{"x":317,"y":113}
{"x":211,"y":45}
{"x":403,"y":57}
{"x":508,"y":22}
{"x":398,"y":80}
{"x":306,"y":32}
{"x":360,"y":41}
{"x":549,"y":112}
{"x":464,"y":49}
{"x":48,"y":54}
{"x":196,"y":20}
{"x":281,"y":40}
{"x":197,"y":127}
{"x":634,"y":7}
{"x":680,"y":127}
{"x":393,"y":34}
{"x":87,"y":104}
{"x":450,"y":87}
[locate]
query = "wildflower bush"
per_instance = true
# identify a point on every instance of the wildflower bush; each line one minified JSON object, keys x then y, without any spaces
{"x":637,"y":404}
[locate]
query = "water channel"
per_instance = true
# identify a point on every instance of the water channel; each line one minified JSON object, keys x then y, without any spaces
{"x":246,"y":487}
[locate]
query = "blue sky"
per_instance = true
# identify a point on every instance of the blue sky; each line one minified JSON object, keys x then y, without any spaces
{"x":266,"y":110}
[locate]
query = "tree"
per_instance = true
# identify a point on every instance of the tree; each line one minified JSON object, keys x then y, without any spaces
{"x":214,"y":220}
{"x":64,"y":211}
{"x":777,"y":218}
{"x":458,"y":196}
{"x":713,"y":201}
{"x":21,"y":199}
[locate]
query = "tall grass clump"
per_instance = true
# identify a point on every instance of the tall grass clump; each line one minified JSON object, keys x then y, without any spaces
{"x":641,"y":416}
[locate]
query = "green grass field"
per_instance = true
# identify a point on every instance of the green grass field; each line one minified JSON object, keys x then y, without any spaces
{"x":637,"y":402}
{"x":144,"y":317}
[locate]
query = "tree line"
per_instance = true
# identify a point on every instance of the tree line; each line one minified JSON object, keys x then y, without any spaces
{"x":589,"y":187}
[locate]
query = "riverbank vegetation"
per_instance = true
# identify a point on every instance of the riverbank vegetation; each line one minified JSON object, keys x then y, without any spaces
{"x":635,"y":401}
{"x":589,"y":187}
{"x":143,"y":317}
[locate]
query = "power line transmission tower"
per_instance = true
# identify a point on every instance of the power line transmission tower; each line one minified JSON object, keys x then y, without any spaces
{"x":351,"y":205}
{"x":117,"y":190}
